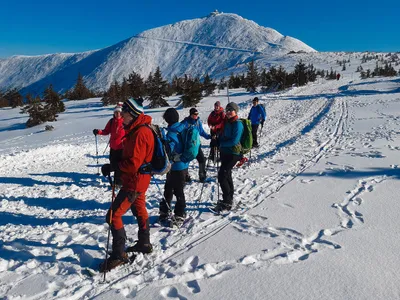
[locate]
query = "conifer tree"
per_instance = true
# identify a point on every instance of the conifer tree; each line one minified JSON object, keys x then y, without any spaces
{"x":14,"y":98}
{"x":157,"y":89}
{"x":3,"y":100}
{"x":29,"y":98}
{"x":311,"y":73}
{"x":36,"y":112}
{"x":136,"y":85}
{"x":125,"y":91}
{"x":112,"y":94}
{"x":54,"y":105}
{"x":192,"y":93}
{"x":281,"y":77}
{"x":231,"y":81}
{"x":300,"y":73}
{"x":263,"y":78}
{"x":80,"y":91}
{"x":222,"y":84}
{"x":208,"y":86}
{"x":177,"y":85}
{"x":252,"y":78}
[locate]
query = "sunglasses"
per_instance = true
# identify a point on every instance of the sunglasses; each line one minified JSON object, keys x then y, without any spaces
{"x":195,"y":114}
{"x":229,"y":109}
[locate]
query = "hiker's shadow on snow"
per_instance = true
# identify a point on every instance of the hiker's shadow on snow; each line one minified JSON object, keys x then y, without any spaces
{"x":22,"y":251}
{"x":78,"y":179}
{"x":7,"y":218}
{"x":351,"y":174}
{"x":60,"y":203}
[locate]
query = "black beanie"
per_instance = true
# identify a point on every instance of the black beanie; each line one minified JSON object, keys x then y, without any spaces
{"x":192,"y":111}
{"x":171,"y":116}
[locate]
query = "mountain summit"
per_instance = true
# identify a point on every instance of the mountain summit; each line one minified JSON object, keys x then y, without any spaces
{"x":209,"y":44}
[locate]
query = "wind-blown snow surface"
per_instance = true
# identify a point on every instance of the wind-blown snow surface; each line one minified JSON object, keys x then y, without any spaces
{"x":193,"y":47}
{"x":318,"y":214}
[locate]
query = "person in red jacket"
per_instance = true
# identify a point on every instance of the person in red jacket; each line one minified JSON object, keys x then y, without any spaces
{"x":116,"y":130}
{"x":216,"y":123}
{"x":138,"y":149}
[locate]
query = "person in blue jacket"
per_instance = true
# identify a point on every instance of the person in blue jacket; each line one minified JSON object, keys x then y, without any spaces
{"x":194,"y":120}
{"x":230,"y":149}
{"x":176,"y":177}
{"x":257,"y":116}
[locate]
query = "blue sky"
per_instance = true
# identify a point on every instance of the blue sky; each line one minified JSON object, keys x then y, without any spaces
{"x":41,"y":27}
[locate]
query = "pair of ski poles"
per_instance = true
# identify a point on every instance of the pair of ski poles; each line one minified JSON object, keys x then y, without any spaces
{"x":97,"y":154}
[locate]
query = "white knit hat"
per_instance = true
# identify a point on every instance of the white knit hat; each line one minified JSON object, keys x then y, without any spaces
{"x":118,"y":108}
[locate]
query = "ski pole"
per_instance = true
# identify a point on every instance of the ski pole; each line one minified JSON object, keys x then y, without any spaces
{"x":168,"y":206}
{"x":217,"y":176}
{"x":202,"y":187}
{"x":97,"y":156}
{"x":109,"y":227}
{"x":106,"y":147}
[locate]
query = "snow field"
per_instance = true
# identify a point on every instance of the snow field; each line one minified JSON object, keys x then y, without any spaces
{"x":327,"y":157}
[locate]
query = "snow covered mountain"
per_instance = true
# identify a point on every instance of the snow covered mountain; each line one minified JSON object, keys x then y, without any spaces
{"x":211,"y":44}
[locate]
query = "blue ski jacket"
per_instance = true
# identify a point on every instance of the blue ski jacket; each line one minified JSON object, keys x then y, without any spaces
{"x":188,"y":121}
{"x":175,"y":143}
{"x":230,"y":137}
{"x":257,"y":114}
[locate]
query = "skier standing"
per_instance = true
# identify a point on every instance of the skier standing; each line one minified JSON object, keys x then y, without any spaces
{"x":194,"y":120}
{"x":115,"y":129}
{"x":256,"y":116}
{"x":176,"y":178}
{"x":230,"y":148}
{"x":215,"y":122}
{"x":138,"y":149}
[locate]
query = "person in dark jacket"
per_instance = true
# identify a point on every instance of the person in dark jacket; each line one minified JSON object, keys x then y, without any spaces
{"x":215,"y":122}
{"x":115,"y":129}
{"x":230,"y":149}
{"x":256,"y":116}
{"x":137,"y":150}
{"x":176,"y":178}
{"x":194,"y":120}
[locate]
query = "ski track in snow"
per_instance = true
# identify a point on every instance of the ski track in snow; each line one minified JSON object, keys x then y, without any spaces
{"x":58,"y":230}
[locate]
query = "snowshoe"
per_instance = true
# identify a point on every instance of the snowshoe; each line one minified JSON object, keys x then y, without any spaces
{"x":140,"y":248}
{"x":220,"y":208}
{"x":178,"y":221}
{"x":112,"y":262}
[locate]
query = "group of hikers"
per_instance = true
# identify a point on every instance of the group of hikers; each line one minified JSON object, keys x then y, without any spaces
{"x":132,"y":148}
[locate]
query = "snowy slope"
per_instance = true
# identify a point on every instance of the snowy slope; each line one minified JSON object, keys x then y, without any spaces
{"x":193,"y":47}
{"x":318,"y":213}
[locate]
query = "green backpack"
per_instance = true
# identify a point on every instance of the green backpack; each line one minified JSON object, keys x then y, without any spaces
{"x":247,"y":137}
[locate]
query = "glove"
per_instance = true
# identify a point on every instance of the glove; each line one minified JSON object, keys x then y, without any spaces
{"x":106,"y":170}
{"x":95,"y":131}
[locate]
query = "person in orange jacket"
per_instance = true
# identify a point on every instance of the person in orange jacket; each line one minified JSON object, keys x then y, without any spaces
{"x":115,"y":129}
{"x":138,"y":150}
